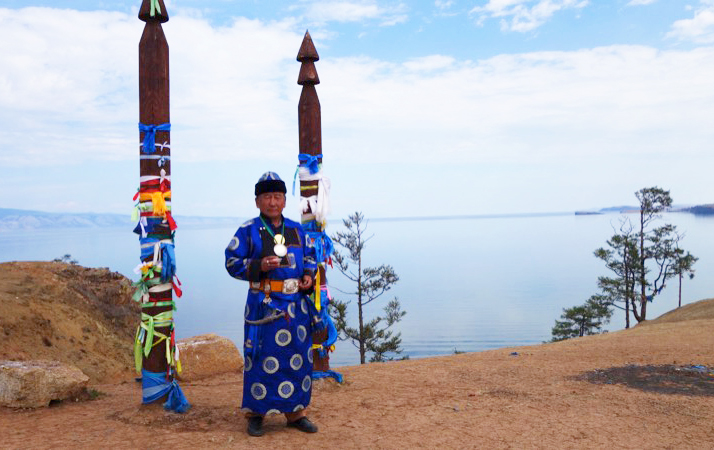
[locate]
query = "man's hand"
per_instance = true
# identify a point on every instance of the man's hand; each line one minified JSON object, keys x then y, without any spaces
{"x":305,"y":283}
{"x":269,"y":263}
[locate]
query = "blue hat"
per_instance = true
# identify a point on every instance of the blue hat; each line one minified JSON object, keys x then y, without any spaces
{"x":269,"y":182}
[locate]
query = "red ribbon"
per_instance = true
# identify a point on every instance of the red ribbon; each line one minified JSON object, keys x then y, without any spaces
{"x":176,"y":287}
{"x":172,"y":222}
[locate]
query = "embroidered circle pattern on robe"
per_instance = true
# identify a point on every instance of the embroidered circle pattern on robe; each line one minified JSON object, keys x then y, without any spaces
{"x":270,"y":364}
{"x":286,"y":389}
{"x":283,"y":337}
{"x":302,"y":333}
{"x":275,"y":352}
{"x":259,"y":392}
{"x":296,"y":362}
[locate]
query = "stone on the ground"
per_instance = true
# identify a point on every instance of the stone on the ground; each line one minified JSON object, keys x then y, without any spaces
{"x":34,"y":384}
{"x":207,"y":355}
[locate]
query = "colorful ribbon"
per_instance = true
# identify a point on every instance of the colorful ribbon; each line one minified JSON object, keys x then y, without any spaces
{"x":149,"y":144}
{"x":311,"y":162}
{"x":168,"y":262}
{"x":156,"y":385}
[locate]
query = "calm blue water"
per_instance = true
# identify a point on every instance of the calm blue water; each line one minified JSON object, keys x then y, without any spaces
{"x":466,"y":284}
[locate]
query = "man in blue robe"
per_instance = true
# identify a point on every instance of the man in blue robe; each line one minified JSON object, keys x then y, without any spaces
{"x":271,"y":253}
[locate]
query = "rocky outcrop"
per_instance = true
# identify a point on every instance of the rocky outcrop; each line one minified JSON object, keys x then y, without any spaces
{"x":34,"y":384}
{"x":80,"y":316}
{"x":207,"y":355}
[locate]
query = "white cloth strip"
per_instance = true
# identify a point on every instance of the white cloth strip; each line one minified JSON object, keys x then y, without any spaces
{"x":161,"y":287}
{"x":156,"y":144}
{"x":152,"y":177}
{"x":320,"y":204}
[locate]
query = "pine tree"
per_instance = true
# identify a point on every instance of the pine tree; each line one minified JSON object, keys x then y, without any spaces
{"x":373,"y":336}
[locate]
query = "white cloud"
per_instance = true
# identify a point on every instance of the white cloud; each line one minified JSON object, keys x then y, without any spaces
{"x":640,"y":2}
{"x":523,"y":15}
{"x":428,"y":63}
{"x":535,"y":121}
{"x":354,"y":11}
{"x":698,"y":29}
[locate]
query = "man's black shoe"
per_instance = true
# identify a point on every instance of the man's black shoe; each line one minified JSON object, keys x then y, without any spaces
{"x":303,"y":424}
{"x":255,"y":426}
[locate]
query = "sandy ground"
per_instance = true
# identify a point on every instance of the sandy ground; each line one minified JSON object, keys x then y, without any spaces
{"x":489,"y":399}
{"x":629,"y":389}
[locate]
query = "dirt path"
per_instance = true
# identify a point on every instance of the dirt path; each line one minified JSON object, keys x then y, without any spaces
{"x":496,"y":399}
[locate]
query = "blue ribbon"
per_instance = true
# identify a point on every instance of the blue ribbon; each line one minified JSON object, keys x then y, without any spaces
{"x":331,"y":337}
{"x":310,"y":161}
{"x":150,"y":227}
{"x":149,"y":144}
{"x":323,"y":245}
{"x":154,"y":385}
{"x":146,"y":249}
{"x":316,"y":374}
{"x":168,"y":262}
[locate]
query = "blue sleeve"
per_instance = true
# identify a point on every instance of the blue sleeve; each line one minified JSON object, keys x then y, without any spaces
{"x":241,"y":260}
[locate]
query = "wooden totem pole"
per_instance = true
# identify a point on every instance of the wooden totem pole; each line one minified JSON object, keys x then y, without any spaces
{"x":311,"y":180}
{"x":155,"y":348}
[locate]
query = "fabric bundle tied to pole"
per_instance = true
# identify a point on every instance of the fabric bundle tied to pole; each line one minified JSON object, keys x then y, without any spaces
{"x":310,"y":169}
{"x":149,"y":144}
{"x":155,"y":385}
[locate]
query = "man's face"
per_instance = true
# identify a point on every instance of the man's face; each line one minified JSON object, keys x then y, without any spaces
{"x":271,"y":204}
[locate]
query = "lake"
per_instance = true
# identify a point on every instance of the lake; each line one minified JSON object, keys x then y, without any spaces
{"x":467,"y":284}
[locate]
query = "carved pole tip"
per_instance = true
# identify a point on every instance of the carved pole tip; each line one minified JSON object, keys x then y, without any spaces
{"x":307,"y":49}
{"x":153,"y":11}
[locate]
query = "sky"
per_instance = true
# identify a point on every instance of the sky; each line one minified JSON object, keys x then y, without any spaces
{"x":429,"y":108}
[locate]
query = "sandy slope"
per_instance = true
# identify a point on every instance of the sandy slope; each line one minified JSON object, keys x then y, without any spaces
{"x":535,"y":399}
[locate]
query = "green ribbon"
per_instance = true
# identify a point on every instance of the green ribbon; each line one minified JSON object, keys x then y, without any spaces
{"x":155,"y":7}
{"x":282,"y":231}
{"x":142,"y":287}
{"x":148,"y":323}
{"x":170,"y":303}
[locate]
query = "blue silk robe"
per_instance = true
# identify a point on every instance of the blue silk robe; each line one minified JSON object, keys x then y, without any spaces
{"x":278,"y":354}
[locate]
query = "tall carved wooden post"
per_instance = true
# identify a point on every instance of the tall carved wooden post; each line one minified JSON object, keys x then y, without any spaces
{"x":155,"y":349}
{"x":311,"y":182}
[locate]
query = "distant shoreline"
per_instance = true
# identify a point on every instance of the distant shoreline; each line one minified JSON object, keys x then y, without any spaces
{"x":18,"y":219}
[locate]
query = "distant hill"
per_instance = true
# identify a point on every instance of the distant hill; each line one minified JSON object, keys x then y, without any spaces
{"x":701,"y":210}
{"x":617,"y":209}
{"x":698,"y":210}
{"x":20,"y":219}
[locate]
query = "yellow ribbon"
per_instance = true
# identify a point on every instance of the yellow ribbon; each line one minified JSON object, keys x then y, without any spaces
{"x":158,"y":201}
{"x":318,"y":305}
